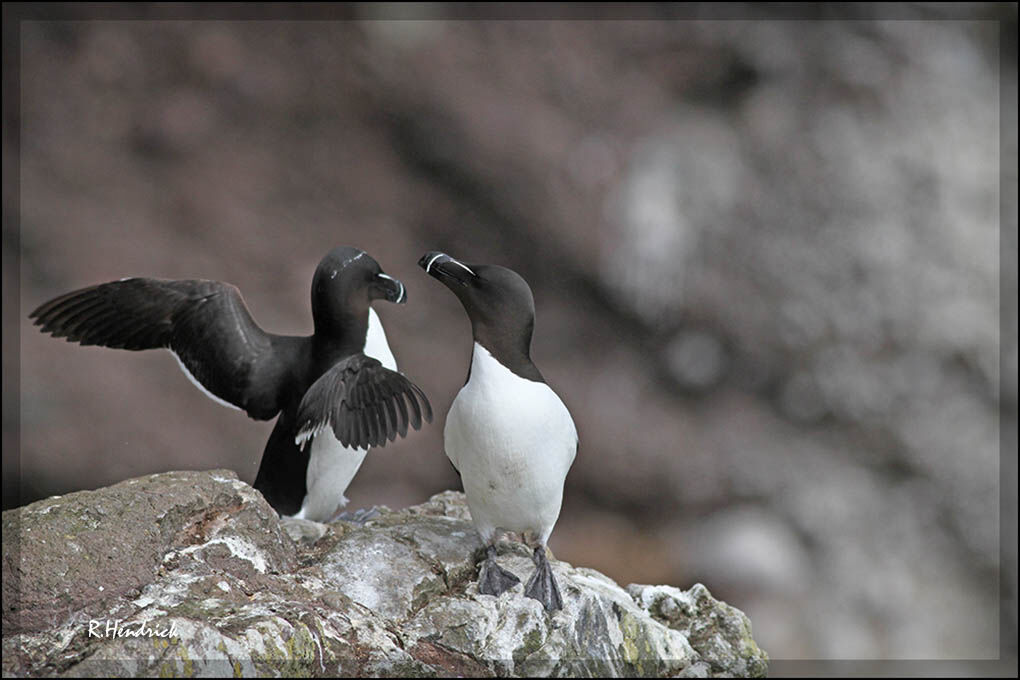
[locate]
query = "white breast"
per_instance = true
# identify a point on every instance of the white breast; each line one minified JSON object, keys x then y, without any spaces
{"x":375,"y":342}
{"x":513,"y":442}
{"x":331,"y":465}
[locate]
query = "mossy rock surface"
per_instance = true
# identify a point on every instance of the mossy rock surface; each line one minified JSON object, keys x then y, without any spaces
{"x":200,"y":577}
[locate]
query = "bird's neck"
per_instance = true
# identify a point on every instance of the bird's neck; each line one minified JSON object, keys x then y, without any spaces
{"x":511,"y":350}
{"x":343,"y":332}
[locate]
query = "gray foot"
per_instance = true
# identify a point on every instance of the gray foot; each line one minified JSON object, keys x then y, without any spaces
{"x":304,"y":531}
{"x":542,"y":584}
{"x":492,"y":578}
{"x":359,"y":516}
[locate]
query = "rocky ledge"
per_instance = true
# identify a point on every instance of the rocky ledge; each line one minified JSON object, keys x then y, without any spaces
{"x":192,"y":573}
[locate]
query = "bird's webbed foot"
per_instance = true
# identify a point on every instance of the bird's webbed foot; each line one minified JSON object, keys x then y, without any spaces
{"x":542,"y":584}
{"x":492,"y":578}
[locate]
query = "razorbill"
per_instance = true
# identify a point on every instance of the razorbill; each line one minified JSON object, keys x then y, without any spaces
{"x":337,"y":388}
{"x":507,"y":433}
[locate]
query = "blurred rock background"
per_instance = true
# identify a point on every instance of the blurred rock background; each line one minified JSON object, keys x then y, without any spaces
{"x":765,"y":257}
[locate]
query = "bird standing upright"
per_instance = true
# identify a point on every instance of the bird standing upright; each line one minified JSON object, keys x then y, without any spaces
{"x":337,"y":388}
{"x":507,"y":433}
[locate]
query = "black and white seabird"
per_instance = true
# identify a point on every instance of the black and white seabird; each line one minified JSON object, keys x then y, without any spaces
{"x":507,"y":433}
{"x":338,"y":388}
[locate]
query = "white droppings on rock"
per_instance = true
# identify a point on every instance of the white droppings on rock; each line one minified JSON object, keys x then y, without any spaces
{"x":149,"y":615}
{"x":168,"y":592}
{"x":239,"y":547}
{"x":647,"y":596}
{"x":142,"y":602}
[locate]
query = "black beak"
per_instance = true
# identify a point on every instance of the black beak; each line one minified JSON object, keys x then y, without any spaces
{"x":444,"y":268}
{"x":392,"y":289}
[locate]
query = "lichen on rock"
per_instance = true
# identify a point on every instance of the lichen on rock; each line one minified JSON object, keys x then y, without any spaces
{"x":203,"y":559}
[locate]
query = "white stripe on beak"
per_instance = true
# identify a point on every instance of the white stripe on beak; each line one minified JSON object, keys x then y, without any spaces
{"x":434,"y":258}
{"x":463,"y":266}
{"x":400,"y":297}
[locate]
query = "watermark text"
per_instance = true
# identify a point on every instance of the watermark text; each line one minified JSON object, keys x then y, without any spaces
{"x":119,"y":628}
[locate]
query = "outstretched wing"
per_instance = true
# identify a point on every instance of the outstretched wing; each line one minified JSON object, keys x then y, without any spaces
{"x":204,"y":323}
{"x":363,"y":403}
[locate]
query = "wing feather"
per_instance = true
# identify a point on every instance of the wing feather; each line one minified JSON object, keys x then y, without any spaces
{"x":363,"y":403}
{"x":205,"y":323}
